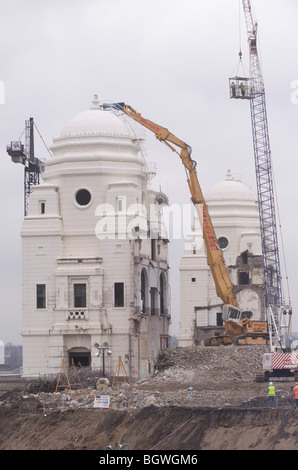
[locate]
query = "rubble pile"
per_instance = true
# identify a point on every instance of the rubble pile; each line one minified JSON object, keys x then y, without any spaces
{"x":214,"y":364}
{"x":190,"y":376}
{"x":83,"y":376}
{"x":121,"y":397}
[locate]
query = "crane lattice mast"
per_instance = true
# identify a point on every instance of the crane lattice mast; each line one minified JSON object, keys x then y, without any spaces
{"x":25,"y":155}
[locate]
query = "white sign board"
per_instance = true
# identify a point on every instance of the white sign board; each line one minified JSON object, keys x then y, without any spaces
{"x":101,"y":401}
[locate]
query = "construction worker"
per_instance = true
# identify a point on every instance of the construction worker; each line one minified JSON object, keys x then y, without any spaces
{"x":242,"y":88}
{"x":233,"y":88}
{"x":271,"y":392}
{"x":295,"y":395}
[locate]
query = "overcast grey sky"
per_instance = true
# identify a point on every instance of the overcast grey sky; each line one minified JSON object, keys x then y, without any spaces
{"x":169,"y":59}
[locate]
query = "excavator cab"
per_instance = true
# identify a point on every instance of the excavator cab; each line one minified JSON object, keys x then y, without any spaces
{"x":235,"y":314}
{"x":246,"y":314}
{"x":230,"y":312}
{"x":239,"y":329}
{"x":240,"y":88}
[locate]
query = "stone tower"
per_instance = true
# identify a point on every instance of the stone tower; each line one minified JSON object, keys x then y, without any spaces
{"x":95,"y":266}
{"x":234,"y":212}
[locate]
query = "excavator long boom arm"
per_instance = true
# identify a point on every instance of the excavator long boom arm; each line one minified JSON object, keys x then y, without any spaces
{"x":223,"y":284}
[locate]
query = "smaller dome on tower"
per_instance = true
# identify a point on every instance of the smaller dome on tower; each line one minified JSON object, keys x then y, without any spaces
{"x":230,"y":189}
{"x":95,"y":121}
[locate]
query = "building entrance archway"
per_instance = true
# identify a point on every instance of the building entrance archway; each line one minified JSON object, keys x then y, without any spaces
{"x":81,"y":357}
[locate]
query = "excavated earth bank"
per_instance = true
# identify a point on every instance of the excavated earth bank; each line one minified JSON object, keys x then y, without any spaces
{"x":153,"y":428}
{"x":199,"y":399}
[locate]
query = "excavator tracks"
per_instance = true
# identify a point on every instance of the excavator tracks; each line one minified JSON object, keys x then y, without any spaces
{"x":251,"y":340}
{"x":218,"y":341}
{"x":242,"y":340}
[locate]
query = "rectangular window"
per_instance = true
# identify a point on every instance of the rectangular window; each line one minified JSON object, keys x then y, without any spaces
{"x":153,"y":295}
{"x":42,"y":207}
{"x":80,"y":297}
{"x":164,"y":341}
{"x":243,"y":278}
{"x":121,"y":203}
{"x":219,"y":320}
{"x":153,"y":249}
{"x":40,"y":296}
{"x":119,"y":294}
{"x":244,"y":257}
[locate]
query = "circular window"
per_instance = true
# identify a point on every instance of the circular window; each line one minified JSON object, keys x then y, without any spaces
{"x":83,"y":197}
{"x":223,"y":242}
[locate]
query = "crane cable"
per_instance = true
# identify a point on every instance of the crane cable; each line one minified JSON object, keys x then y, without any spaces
{"x":244,"y":69}
{"x":240,"y":53}
{"x":20,"y":138}
{"x":281,"y":237}
{"x":42,"y":140}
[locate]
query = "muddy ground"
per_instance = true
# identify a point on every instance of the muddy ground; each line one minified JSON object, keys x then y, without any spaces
{"x":199,"y":399}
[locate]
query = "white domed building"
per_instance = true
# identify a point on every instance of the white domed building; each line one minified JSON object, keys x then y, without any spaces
{"x":234,"y":212}
{"x":95,"y":266}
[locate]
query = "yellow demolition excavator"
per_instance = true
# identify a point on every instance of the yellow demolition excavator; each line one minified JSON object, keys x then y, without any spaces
{"x":239,"y":328}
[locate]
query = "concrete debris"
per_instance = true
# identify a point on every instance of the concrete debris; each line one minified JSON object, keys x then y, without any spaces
{"x":194,"y":376}
{"x":102,"y":384}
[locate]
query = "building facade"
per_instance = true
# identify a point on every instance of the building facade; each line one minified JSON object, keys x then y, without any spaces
{"x":95,"y":266}
{"x":234,"y":213}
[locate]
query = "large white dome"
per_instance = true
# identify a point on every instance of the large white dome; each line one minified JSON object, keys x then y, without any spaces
{"x":95,"y":140}
{"x":232,"y":199}
{"x":95,"y":122}
{"x":229,"y":189}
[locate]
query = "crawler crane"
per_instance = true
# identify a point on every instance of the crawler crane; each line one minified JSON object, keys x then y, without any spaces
{"x":281,"y":360}
{"x":237,"y":323}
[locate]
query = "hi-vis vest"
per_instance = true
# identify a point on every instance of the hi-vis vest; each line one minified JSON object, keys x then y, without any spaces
{"x":295,"y":392}
{"x":271,"y":391}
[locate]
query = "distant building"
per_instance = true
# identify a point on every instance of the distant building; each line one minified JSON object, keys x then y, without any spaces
{"x":95,"y":266}
{"x":234,"y":213}
{"x":13,"y":356}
